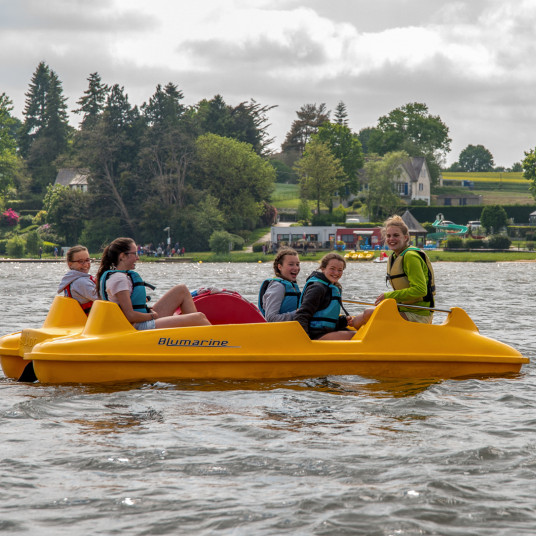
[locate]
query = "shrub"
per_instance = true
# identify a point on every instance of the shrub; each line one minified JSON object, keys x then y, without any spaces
{"x":474,"y":243}
{"x":238,"y":242}
{"x":33,"y":242}
{"x":499,"y":242}
{"x":9,"y":218}
{"x":221,"y":242}
{"x":3,"y":243}
{"x":40,"y":217}
{"x":454,"y":242}
{"x":15,"y":247}
{"x":25,"y":221}
{"x":257,"y":247}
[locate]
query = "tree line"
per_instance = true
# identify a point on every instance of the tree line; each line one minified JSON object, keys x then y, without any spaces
{"x":196,"y":169}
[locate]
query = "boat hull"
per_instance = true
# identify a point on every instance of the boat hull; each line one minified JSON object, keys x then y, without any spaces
{"x":64,"y":318}
{"x":110,"y":350}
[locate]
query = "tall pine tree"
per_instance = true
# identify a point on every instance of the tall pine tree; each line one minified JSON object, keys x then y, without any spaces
{"x":45,"y":130}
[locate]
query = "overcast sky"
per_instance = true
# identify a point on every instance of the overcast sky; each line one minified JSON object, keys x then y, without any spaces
{"x":471,"y":61}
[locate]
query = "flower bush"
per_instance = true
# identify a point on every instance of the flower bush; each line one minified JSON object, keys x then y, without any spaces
{"x":10,"y":218}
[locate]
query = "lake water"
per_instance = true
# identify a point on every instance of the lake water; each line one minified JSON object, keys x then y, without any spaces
{"x":325,"y":456}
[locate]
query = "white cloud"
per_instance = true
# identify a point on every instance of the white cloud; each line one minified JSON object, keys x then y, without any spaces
{"x":471,"y":61}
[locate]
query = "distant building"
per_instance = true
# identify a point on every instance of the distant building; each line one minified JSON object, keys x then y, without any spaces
{"x":75,"y":178}
{"x":413,"y":184}
{"x":458,"y":200}
{"x":416,"y":230}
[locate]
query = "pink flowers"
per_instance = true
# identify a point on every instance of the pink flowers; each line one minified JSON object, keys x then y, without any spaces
{"x":10,"y":217}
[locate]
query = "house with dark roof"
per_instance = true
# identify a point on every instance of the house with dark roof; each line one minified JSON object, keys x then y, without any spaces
{"x":413,"y":183}
{"x":75,"y":178}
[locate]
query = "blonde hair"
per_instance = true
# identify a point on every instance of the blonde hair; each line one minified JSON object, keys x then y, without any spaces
{"x":396,"y":221}
{"x":281,"y":254}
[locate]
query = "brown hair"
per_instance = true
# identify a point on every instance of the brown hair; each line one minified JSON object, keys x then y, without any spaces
{"x":72,"y":251}
{"x":324,"y":261}
{"x":281,"y":254}
{"x":396,"y":221}
{"x":110,"y":255}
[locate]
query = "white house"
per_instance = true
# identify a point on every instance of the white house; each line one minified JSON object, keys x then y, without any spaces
{"x":413,"y":183}
{"x":74,"y":178}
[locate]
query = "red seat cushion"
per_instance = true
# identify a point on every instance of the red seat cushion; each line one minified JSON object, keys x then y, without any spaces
{"x":227,"y":307}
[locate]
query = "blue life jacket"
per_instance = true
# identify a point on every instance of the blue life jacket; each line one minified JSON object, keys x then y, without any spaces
{"x":138,"y":297}
{"x":291,"y":299}
{"x":325,"y":319}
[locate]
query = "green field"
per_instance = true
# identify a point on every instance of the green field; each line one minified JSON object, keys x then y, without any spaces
{"x":496,"y":188}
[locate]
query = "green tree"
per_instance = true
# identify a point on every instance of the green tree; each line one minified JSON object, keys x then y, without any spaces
{"x":380,"y":174}
{"x":310,"y":117}
{"x":476,"y":158}
{"x":321,"y":174}
{"x":341,"y":115}
{"x":246,"y":122}
{"x":364,"y":137}
{"x":232,"y":172}
{"x":92,"y":102}
{"x":167,"y":148}
{"x":413,"y":129}
{"x":221,"y":242}
{"x":529,"y":170}
{"x":493,"y":218}
{"x":111,"y":149}
{"x":346,"y":147}
{"x":45,"y":130}
{"x":10,"y":162}
{"x":15,"y":247}
{"x":67,"y":210}
{"x":33,"y":242}
{"x":284,"y":174}
{"x":304,"y":211}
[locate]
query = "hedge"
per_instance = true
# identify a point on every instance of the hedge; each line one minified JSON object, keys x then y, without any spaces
{"x":462,"y":215}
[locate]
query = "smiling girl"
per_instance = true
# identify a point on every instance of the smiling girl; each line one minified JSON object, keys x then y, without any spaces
{"x":410,"y":273}
{"x":320,"y":303}
{"x":77,"y":283}
{"x":119,"y":283}
{"x":279,"y":295}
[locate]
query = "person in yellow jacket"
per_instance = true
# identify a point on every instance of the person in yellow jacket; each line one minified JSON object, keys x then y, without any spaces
{"x":410,"y":273}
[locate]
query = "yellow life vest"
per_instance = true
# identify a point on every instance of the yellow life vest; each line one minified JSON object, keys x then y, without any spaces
{"x":399,"y":279}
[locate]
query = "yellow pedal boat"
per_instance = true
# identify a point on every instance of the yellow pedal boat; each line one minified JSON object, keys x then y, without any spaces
{"x":109,"y":349}
{"x":64,"y":318}
{"x":359,"y":256}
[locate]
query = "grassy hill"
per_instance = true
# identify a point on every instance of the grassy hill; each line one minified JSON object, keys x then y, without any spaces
{"x":496,"y":188}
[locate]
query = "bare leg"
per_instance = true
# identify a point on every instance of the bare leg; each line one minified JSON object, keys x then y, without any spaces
{"x":178,"y":296}
{"x":337,"y":336}
{"x":180,"y":321}
{"x":362,"y":318}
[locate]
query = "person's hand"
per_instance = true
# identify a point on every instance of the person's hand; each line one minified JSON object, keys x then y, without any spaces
{"x":379,"y":299}
{"x":154,"y":314}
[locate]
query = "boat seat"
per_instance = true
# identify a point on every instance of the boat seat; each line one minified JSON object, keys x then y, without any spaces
{"x":227,"y":307}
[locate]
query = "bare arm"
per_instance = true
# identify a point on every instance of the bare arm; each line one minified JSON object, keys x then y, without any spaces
{"x":123,"y":300}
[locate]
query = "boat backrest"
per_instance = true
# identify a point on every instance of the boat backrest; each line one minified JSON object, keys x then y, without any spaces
{"x":227,"y":307}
